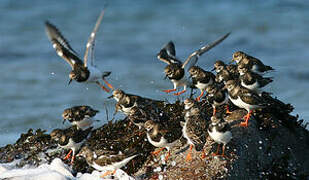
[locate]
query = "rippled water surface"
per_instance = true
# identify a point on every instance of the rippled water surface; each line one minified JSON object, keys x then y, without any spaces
{"x":34,"y":90}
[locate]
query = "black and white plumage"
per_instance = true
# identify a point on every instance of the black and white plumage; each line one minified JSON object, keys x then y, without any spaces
{"x":220,"y":65}
{"x":82,"y":71}
{"x":220,"y":132}
{"x":163,"y":134}
{"x":194,"y":128}
{"x":139,"y":115}
{"x":81,"y":116}
{"x":216,"y":97}
{"x":71,"y":138}
{"x":251,"y":63}
{"x":175,"y":70}
{"x":106,"y":160}
{"x":244,"y":98}
{"x":201,"y":79}
{"x":225,"y":72}
{"x":252,"y":80}
{"x":125,"y":101}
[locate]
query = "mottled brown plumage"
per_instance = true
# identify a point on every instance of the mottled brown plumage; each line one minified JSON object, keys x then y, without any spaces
{"x":251,"y":63}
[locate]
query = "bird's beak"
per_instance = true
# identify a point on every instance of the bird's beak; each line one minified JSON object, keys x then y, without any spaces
{"x":109,"y":97}
{"x":70,"y":81}
{"x":165,"y":77}
{"x":213,"y":69}
{"x":232,"y":60}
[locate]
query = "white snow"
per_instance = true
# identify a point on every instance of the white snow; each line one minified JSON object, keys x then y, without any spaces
{"x":56,"y":170}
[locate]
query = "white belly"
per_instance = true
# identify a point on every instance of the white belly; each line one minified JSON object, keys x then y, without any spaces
{"x":180,"y":83}
{"x":83,"y":124}
{"x":239,"y":103}
{"x":185,"y":135}
{"x":221,"y":138}
{"x":254,"y":86}
{"x":72,"y":145}
{"x":201,"y":86}
{"x":95,"y":74}
{"x":162,"y":143}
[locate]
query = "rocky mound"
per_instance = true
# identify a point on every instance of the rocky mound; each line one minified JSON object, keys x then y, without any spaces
{"x":275,"y":145}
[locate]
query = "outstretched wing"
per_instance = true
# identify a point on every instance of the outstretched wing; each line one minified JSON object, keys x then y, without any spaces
{"x":192,"y":59}
{"x":61,"y":45}
{"x":167,"y":54}
{"x":91,"y":41}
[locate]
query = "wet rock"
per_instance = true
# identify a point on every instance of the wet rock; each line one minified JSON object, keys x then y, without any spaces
{"x":274,"y":146}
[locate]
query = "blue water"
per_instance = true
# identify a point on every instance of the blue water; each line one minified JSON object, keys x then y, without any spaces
{"x":34,"y":90}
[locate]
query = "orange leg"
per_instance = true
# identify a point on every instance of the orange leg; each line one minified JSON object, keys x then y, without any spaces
{"x":216,"y":154}
{"x":108,"y":84}
{"x":157,"y":151}
{"x":108,"y":173}
{"x":228,"y":110}
{"x":189,"y":156}
{"x":214,"y":111}
{"x":72,"y":160}
{"x":169,"y":90}
{"x":247,"y":117}
{"x":103,"y":87}
{"x":223,"y":149}
{"x":199,"y":97}
{"x":68,"y":155}
{"x":203,"y":156}
{"x":167,"y":156}
{"x":181,"y":92}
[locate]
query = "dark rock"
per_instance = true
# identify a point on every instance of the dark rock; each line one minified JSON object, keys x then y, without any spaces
{"x":274,"y":146}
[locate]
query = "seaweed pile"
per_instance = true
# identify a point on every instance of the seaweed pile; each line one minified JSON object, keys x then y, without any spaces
{"x":275,"y":141}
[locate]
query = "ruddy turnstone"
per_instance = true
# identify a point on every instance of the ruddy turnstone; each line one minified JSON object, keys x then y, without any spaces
{"x":201,"y":79}
{"x":251,"y":63}
{"x":225,"y":72}
{"x":163,"y":135}
{"x":81,"y":116}
{"x":81,"y":71}
{"x":220,"y":65}
{"x":175,"y":70}
{"x":70,"y":138}
{"x":220,"y":132}
{"x":106,"y":160}
{"x":139,"y":115}
{"x":252,"y":80}
{"x":195,"y":128}
{"x":244,"y":98}
{"x":216,"y":97}
{"x":125,"y":102}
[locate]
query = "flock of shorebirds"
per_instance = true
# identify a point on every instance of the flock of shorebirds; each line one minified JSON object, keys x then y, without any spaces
{"x":238,"y":83}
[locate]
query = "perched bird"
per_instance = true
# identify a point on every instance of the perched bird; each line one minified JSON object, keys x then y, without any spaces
{"x":81,"y":71}
{"x":81,"y":116}
{"x":163,"y":135}
{"x":139,"y":115}
{"x":201,"y":79}
{"x":216,"y":97}
{"x":195,"y":128}
{"x":106,"y":160}
{"x":220,"y":65}
{"x":251,"y":63}
{"x":252,"y":80}
{"x":220,"y":132}
{"x":175,"y":70}
{"x":225,"y":72}
{"x":125,"y":102}
{"x":244,"y":98}
{"x":71,"y":138}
